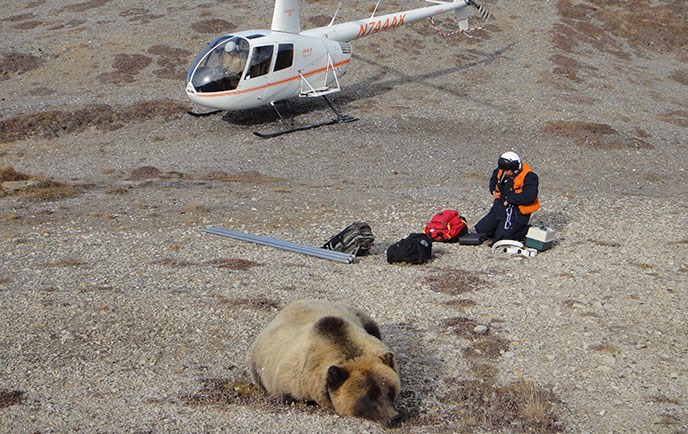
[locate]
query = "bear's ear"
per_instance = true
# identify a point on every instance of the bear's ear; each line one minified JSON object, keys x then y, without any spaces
{"x":388,"y":359}
{"x":336,"y":376}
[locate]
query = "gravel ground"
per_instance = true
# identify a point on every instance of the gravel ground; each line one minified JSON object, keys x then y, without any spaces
{"x":121,"y":315}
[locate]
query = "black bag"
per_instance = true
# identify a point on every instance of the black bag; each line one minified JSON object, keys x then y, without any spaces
{"x":414,"y":249}
{"x":357,"y":238}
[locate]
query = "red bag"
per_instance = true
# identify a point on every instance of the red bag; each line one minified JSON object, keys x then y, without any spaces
{"x":446,"y":226}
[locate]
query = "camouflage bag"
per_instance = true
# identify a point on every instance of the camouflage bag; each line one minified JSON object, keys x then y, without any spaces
{"x":357,"y":238}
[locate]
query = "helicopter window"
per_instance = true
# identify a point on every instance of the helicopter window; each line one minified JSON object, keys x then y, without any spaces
{"x":285,"y":56}
{"x":260,"y":61}
{"x":221,"y":66}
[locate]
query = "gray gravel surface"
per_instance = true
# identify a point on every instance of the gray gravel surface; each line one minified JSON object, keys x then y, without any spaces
{"x":119,"y":314}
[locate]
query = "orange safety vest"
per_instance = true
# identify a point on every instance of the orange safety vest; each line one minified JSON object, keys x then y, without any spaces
{"x":518,"y":188}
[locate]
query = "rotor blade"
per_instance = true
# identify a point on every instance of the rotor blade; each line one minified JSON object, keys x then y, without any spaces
{"x":484,"y":13}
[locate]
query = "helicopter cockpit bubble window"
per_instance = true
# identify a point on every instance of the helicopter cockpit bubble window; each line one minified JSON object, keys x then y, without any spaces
{"x":220,"y":66}
{"x":261,"y":58}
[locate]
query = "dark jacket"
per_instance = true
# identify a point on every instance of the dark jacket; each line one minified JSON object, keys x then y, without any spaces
{"x":527,"y":195}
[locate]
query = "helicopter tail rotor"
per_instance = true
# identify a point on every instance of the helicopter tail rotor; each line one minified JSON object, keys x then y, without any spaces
{"x":484,"y":13}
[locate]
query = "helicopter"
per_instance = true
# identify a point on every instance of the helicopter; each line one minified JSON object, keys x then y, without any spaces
{"x":253,"y":68}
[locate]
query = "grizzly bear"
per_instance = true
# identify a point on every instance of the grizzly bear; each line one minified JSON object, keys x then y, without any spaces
{"x":329,"y":353}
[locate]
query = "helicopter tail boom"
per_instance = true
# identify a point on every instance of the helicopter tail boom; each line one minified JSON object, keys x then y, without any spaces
{"x":351,"y":30}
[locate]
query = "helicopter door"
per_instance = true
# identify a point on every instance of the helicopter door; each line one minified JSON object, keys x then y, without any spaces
{"x":258,"y":69}
{"x":283,"y":74}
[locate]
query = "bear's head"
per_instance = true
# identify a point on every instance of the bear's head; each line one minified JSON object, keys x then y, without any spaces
{"x":366,"y":387}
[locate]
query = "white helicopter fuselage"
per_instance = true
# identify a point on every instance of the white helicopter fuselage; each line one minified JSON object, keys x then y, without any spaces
{"x":315,"y":60}
{"x":253,"y":68}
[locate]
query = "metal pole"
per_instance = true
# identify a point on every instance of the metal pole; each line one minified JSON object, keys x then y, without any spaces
{"x":284,"y":245}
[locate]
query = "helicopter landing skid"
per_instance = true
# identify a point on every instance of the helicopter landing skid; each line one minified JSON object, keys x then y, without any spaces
{"x":290,"y":128}
{"x":202,"y":115}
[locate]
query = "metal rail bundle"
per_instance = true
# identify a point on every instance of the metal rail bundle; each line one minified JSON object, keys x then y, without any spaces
{"x":318,"y":252}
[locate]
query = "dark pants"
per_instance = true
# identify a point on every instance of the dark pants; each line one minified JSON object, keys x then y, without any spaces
{"x":502,"y":224}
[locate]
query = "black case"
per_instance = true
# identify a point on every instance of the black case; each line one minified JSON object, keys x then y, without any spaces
{"x":472,"y":239}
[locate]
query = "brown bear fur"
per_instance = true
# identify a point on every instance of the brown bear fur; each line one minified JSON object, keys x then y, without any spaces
{"x":330,"y":353}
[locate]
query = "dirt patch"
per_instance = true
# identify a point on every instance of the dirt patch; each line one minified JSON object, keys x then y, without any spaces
{"x":675,"y":117}
{"x":172,"y":61}
{"x":10,"y":397}
{"x":516,"y":407}
{"x":131,"y":63}
{"x":127,"y":67}
{"x":456,"y":282}
{"x":234,"y":263}
{"x":212,"y":26}
{"x":84,"y":6}
{"x":460,"y":303}
{"x":140,"y":15}
{"x":7,"y":173}
{"x":55,"y":123}
{"x":611,"y":26}
{"x":567,"y":67}
{"x":17,"y":63}
{"x":594,"y":135}
{"x":461,"y":326}
{"x":486,"y":346}
{"x":145,"y":172}
{"x":221,"y":391}
{"x":319,"y":20}
{"x":661,"y":27}
{"x":680,"y":77}
{"x":251,"y":177}
{"x":33,"y":187}
{"x":20,"y":17}
{"x":174,"y":262}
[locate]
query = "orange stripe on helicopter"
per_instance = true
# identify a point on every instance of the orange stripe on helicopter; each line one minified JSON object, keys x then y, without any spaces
{"x":265,"y":86}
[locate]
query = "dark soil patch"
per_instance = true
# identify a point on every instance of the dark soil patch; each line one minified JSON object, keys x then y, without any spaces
{"x":456,"y":282}
{"x":214,"y":26}
{"x":55,"y":123}
{"x":680,"y":77}
{"x":567,"y":67}
{"x":140,"y":15}
{"x":219,"y":391}
{"x":36,"y":188}
{"x":610,"y":26}
{"x":516,"y":407}
{"x":172,"y":61}
{"x":675,"y":117}
{"x":461,"y":326}
{"x":234,"y":263}
{"x":486,"y":346}
{"x":460,"y":303}
{"x":84,"y":6}
{"x":131,"y":63}
{"x":145,"y":172}
{"x":10,"y":397}
{"x":17,"y":63}
{"x":248,"y":177}
{"x":7,"y":173}
{"x":594,"y":135}
{"x":319,"y":20}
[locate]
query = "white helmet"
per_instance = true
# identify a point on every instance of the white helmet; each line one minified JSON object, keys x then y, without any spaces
{"x":509,"y":161}
{"x":230,"y":46}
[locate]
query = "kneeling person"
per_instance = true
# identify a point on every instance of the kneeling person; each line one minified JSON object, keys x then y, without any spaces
{"x":514,"y":188}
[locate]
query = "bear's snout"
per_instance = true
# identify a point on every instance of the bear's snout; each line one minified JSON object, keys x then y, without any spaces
{"x":392,"y":421}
